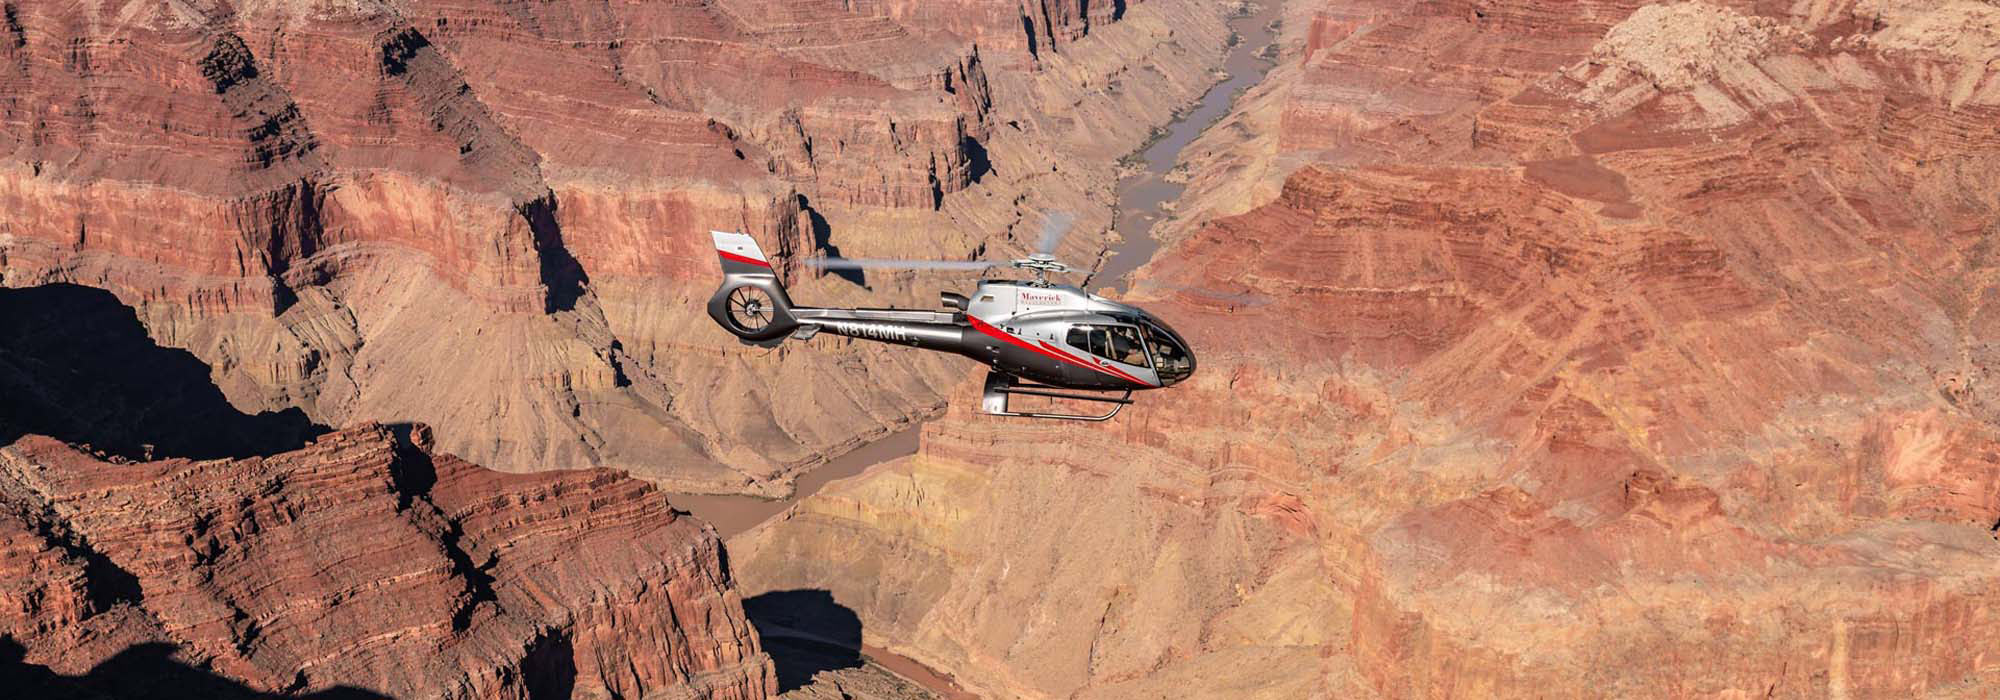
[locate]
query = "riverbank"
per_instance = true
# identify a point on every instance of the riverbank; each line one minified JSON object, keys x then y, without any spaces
{"x":1146,"y":194}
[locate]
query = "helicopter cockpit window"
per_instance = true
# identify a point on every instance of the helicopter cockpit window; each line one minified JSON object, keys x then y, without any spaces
{"x":1170,"y":358}
{"x":1114,"y":343}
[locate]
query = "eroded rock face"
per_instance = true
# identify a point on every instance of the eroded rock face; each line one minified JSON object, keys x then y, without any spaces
{"x":367,"y":562}
{"x":1564,"y":358}
{"x":356,"y":209}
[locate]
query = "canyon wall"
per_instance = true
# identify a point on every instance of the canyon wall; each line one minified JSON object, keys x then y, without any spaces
{"x":1547,"y":349}
{"x":366,"y":561}
{"x":490,"y":217}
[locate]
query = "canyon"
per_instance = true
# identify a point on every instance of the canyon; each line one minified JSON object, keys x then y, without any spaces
{"x":1548,"y":349}
{"x":445,"y":580}
{"x":334,"y":205}
{"x":254,"y":248}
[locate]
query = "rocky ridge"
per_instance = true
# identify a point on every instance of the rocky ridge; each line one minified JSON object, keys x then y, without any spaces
{"x":366,"y":561}
{"x":333,"y":205}
{"x":1546,"y":350}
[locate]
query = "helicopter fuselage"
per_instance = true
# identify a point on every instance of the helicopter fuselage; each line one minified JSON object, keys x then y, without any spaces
{"x":1058,"y":335}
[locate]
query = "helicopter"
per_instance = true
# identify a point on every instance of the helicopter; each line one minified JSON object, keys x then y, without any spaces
{"x":1037,"y":337}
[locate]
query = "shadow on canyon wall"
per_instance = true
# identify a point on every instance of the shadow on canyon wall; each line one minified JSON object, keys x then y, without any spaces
{"x":562,"y":273}
{"x":805,"y":632}
{"x":140,"y":672}
{"x":76,"y":365}
{"x":822,"y":235}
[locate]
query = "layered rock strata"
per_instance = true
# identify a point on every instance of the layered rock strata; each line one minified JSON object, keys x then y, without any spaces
{"x":357,"y":208}
{"x":365,"y":561}
{"x":1604,"y":349}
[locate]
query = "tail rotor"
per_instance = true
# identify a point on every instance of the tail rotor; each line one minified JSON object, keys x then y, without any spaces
{"x":751,"y":303}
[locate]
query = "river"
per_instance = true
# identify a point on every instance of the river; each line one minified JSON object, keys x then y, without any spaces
{"x":1144,"y":195}
{"x":734,"y":514}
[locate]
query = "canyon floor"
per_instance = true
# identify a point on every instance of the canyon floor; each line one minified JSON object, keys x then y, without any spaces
{"x":1548,"y":349}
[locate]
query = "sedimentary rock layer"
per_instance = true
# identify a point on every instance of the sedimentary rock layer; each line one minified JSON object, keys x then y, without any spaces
{"x":366,"y":561}
{"x":358,"y":209}
{"x":1571,"y":350}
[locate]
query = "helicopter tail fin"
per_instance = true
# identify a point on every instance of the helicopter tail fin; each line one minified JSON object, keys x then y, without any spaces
{"x":751,"y":303}
{"x":740,"y":254}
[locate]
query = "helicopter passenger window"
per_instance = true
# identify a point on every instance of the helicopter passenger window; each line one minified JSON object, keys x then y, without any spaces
{"x":1080,"y":337}
{"x":1115,"y":343}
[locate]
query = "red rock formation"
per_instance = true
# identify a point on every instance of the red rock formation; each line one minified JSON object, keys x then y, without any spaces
{"x":1587,"y":349}
{"x":335,"y":206}
{"x":358,"y":562}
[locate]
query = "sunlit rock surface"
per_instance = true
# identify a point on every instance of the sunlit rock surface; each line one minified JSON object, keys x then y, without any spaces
{"x":491,"y":217}
{"x":1548,"y":350}
{"x":365,"y":561}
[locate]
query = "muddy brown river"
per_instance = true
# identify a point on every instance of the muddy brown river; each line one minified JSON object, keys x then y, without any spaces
{"x":1144,"y":196}
{"x":734,"y":514}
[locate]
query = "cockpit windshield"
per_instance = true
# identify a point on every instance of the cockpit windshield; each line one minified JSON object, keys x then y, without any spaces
{"x":1171,"y":358}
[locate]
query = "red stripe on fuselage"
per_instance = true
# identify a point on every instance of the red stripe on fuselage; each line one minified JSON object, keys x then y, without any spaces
{"x":988,"y":329}
{"x":726,"y":255}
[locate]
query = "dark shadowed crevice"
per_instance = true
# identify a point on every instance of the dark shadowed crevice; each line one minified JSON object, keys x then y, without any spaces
{"x":1028,"y":27}
{"x":283,"y":221}
{"x":478,"y":583}
{"x":399,"y":48}
{"x":110,"y":584}
{"x":105,"y":583}
{"x":16,"y":36}
{"x":805,"y":631}
{"x":549,"y":670}
{"x":140,"y":672}
{"x":413,"y":473}
{"x":977,"y":162}
{"x":76,"y":365}
{"x":562,"y":274}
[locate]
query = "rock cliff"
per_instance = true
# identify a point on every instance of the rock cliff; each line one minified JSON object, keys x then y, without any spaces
{"x":1548,"y":349}
{"x":366,"y":561}
{"x":357,"y":208}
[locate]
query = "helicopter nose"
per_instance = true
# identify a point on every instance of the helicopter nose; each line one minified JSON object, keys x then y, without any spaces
{"x":1174,"y":363}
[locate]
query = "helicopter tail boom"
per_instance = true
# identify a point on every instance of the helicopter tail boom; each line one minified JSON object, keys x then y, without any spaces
{"x":930,"y":330}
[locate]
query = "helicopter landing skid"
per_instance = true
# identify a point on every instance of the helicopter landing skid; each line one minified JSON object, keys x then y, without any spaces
{"x":1000,"y":386}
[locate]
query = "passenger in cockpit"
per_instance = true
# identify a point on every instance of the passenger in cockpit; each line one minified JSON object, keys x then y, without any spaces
{"x":1125,"y":346}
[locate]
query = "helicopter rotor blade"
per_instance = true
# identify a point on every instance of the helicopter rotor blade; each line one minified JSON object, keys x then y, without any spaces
{"x":886,"y":263}
{"x":1054,"y":228}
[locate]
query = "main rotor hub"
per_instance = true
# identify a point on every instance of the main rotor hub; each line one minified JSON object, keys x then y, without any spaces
{"x":1041,"y":264}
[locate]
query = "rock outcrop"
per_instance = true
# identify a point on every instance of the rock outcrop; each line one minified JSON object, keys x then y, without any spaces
{"x":366,"y":561}
{"x":356,"y":209}
{"x":1557,"y":350}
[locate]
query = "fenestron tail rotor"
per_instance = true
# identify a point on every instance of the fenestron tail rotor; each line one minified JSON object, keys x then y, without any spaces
{"x":750,"y":309}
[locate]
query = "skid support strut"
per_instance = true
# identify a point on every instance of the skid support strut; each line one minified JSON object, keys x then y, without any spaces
{"x":1000,"y":386}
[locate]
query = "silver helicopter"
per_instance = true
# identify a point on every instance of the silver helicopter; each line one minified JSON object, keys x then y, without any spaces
{"x":1039,"y":338}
